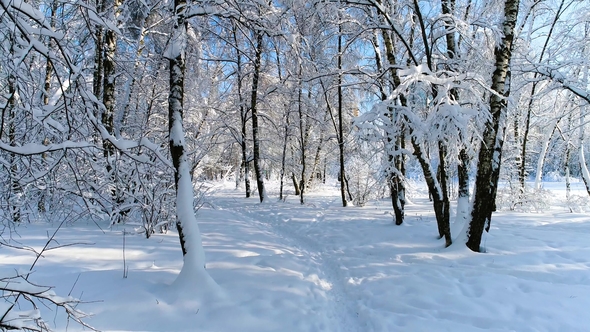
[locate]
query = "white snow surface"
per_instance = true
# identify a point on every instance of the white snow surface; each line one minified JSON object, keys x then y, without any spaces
{"x":282,"y":266}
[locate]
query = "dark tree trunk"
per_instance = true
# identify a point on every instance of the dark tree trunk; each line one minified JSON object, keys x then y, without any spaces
{"x":397,"y":191}
{"x":286,"y":118}
{"x":98,"y":55}
{"x":401,"y":187}
{"x":440,"y":202}
{"x":245,"y":162}
{"x":245,"y":165}
{"x":568,"y":186}
{"x":444,"y":212}
{"x":255,"y":128}
{"x":490,"y":153}
{"x":396,"y":160}
{"x":463,"y":174}
{"x":437,"y":187}
{"x":108,"y":97}
{"x":49,"y":64}
{"x":397,"y":187}
{"x":302,"y":139}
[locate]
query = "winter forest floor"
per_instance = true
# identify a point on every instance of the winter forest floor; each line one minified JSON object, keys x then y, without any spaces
{"x":282,"y":266}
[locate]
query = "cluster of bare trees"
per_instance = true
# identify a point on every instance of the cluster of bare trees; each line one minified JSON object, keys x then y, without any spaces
{"x":108,"y":106}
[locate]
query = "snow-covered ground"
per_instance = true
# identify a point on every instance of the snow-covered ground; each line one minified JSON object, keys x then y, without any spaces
{"x":281,"y":266}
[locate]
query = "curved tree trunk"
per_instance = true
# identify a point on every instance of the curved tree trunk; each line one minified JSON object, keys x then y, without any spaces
{"x":186,"y":223}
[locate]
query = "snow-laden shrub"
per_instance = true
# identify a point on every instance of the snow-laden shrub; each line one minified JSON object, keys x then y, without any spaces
{"x":578,"y":204}
{"x":511,"y":197}
{"x":19,"y":293}
{"x":365,"y":179}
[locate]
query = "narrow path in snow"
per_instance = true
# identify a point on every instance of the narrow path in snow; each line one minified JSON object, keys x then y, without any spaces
{"x":343,"y":310}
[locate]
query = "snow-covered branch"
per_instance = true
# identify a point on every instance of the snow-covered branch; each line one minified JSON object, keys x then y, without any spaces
{"x":555,"y":75}
{"x":14,"y":286}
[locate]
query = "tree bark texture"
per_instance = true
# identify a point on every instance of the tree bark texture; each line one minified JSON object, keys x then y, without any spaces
{"x":98,"y":55}
{"x":397,"y":185}
{"x":15,"y":188}
{"x":176,"y":109}
{"x":108,"y":99}
{"x":490,"y":153}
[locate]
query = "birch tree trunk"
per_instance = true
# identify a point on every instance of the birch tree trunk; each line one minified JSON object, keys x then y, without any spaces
{"x":97,"y":81}
{"x":490,"y":153}
{"x":317,"y":159}
{"x":46,"y":93}
{"x":15,"y":189}
{"x":108,"y":115}
{"x":108,"y":97}
{"x":394,"y":142}
{"x":186,"y":223}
